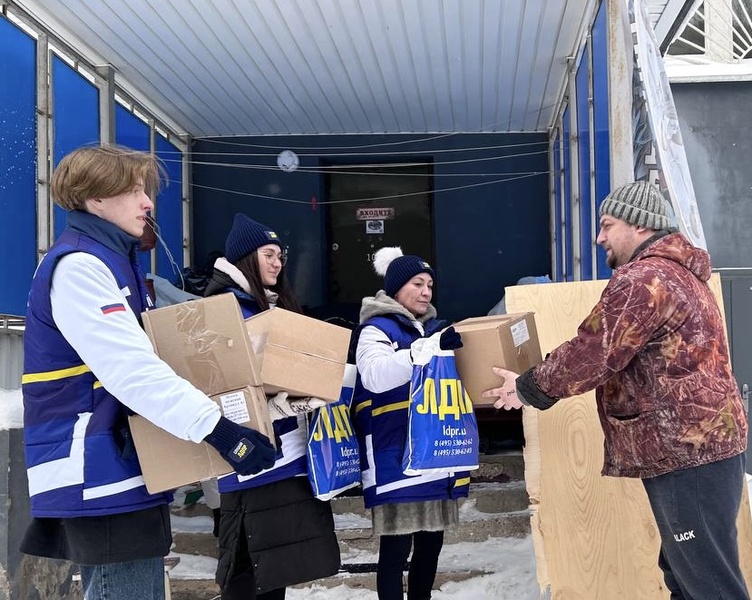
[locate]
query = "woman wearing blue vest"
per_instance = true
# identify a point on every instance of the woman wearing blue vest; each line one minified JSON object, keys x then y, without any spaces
{"x":407,"y":511}
{"x":273,"y":533}
{"x":87,"y":365}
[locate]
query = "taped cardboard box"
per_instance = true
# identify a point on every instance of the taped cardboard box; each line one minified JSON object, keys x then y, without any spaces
{"x":205,"y":342}
{"x":298,"y":354}
{"x":167,"y":462}
{"x":509,"y":341}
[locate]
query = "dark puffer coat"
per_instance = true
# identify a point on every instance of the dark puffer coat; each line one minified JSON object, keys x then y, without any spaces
{"x":276,"y":535}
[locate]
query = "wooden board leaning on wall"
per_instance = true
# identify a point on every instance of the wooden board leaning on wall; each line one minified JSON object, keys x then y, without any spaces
{"x":594,"y":536}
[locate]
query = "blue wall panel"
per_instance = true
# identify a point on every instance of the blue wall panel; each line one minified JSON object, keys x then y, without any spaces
{"x":134,"y":133}
{"x":75,"y":106}
{"x":130,"y":130}
{"x":583,"y":145}
{"x":568,"y":241}
{"x":18,"y":185}
{"x":486,"y":236}
{"x":600,"y":117}
{"x":170,"y":212}
{"x":285,"y":205}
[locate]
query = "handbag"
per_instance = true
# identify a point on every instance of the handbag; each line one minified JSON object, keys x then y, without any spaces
{"x":332,"y":453}
{"x":442,"y":432}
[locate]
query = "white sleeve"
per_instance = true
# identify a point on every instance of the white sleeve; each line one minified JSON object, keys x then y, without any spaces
{"x":381,"y":367}
{"x":119,"y":353}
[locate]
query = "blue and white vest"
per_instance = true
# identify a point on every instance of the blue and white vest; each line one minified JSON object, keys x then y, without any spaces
{"x":73,"y":427}
{"x":290,"y":433}
{"x":381,"y":425}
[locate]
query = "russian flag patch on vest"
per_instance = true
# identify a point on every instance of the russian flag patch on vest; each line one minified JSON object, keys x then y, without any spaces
{"x":111,"y":308}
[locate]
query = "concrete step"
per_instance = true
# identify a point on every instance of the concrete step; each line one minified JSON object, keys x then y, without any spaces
{"x":489,"y":498}
{"x":512,"y":524}
{"x":192,"y":535}
{"x":500,"y":467}
{"x":496,"y":508}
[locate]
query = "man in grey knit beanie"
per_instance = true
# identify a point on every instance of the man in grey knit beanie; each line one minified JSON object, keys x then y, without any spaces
{"x":654,"y":349}
{"x":639,"y":203}
{"x":630,"y":215}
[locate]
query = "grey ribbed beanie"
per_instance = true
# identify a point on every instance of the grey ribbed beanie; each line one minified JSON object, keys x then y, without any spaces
{"x":639,"y":203}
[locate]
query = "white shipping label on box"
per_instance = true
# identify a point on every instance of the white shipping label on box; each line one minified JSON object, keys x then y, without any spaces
{"x":234,"y":407}
{"x":520,"y":334}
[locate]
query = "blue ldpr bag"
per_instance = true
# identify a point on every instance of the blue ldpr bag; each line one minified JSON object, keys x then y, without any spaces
{"x":442,"y":432}
{"x":333,"y":457}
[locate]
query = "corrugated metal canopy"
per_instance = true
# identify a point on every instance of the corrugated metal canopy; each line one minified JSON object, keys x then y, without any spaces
{"x":264,"y":67}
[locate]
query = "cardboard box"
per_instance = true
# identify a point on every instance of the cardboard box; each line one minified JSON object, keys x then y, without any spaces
{"x":298,"y":354}
{"x":509,"y":341}
{"x":167,"y":462}
{"x":205,"y":342}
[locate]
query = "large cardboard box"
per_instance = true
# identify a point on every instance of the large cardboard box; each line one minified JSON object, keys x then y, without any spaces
{"x":509,"y":341}
{"x":167,"y":462}
{"x":298,"y":354}
{"x":205,"y":342}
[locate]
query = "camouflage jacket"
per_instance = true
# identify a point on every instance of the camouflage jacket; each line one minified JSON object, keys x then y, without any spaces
{"x":654,"y":349}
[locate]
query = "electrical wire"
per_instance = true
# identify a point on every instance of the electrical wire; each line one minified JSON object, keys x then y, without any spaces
{"x":329,"y":169}
{"x":395,"y":196}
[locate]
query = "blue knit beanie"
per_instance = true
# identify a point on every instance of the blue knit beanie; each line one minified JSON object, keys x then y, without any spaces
{"x":246,"y":236}
{"x":397,"y":269}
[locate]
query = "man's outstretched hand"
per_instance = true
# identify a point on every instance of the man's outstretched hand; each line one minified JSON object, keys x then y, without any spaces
{"x":506,"y":395}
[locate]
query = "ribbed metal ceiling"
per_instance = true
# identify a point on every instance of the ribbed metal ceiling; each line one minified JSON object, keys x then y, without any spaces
{"x":266,"y":67}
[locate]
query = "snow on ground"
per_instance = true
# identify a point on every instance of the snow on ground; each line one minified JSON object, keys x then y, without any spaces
{"x":509,"y":562}
{"x":509,"y":565}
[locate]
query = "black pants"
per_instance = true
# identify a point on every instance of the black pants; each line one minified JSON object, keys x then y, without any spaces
{"x":393,"y":553}
{"x":696,"y":510}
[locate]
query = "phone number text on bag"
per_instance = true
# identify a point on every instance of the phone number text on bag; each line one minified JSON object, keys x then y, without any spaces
{"x":453,"y":451}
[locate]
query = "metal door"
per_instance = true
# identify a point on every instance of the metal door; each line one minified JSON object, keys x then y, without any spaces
{"x":373,"y":207}
{"x":737,"y":301}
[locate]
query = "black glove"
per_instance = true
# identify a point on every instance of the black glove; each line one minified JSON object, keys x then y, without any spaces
{"x":450,"y":339}
{"x":248,"y":451}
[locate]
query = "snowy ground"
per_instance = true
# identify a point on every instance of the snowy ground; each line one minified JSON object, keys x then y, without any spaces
{"x":509,"y":562}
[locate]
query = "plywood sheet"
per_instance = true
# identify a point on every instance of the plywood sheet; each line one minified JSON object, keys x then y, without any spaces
{"x":594,"y":536}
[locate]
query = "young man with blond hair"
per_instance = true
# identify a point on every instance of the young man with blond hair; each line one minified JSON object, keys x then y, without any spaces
{"x":87,"y":365}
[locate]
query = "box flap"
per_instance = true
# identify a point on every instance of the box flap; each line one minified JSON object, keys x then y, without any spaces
{"x":301,"y":375}
{"x":305,"y":335}
{"x":489,"y":319}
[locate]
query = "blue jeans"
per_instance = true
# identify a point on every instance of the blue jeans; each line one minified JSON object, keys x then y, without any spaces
{"x":134,"y":580}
